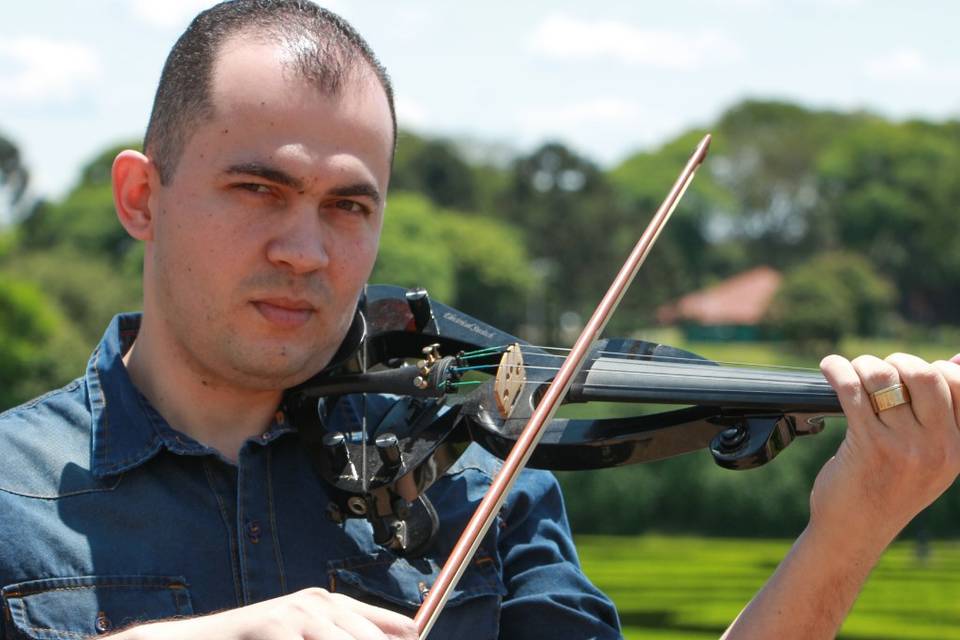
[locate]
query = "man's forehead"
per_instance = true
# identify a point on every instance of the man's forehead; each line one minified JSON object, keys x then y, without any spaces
{"x":257,"y":87}
{"x":244,"y":66}
{"x":248,"y":68}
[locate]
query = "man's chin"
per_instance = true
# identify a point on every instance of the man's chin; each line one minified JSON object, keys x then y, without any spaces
{"x":264,"y":375}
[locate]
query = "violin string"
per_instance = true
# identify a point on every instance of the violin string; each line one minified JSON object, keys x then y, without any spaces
{"x":693,"y":391}
{"x":682,"y":370}
{"x":813,"y":386}
{"x":672,"y":370}
{"x":681,"y":359}
{"x":483,"y":352}
{"x":823,"y":392}
{"x":666,"y":370}
{"x":638,"y":357}
{"x":477,"y":367}
{"x":655,"y":358}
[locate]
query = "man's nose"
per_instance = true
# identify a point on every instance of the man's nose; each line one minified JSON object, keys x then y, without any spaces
{"x":300,"y":242}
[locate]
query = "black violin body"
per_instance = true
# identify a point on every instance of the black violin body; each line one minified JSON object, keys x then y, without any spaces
{"x":426,"y":352}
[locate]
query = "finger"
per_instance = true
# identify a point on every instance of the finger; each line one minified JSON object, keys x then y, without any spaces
{"x":955,"y":359}
{"x":390,"y":622}
{"x":854,"y":401}
{"x":930,"y":400}
{"x":357,"y":626}
{"x":877,"y":375}
{"x":319,"y":628}
{"x":951,"y":375}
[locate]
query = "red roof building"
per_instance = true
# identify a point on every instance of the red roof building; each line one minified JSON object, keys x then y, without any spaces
{"x":742,"y":300}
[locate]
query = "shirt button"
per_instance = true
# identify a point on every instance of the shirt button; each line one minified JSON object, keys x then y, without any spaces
{"x":253,"y":531}
{"x":102,"y":624}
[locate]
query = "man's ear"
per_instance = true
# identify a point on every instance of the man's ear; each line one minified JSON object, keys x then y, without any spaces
{"x":135,"y":179}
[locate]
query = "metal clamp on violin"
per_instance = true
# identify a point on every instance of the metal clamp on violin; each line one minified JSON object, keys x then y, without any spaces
{"x":462,"y":380}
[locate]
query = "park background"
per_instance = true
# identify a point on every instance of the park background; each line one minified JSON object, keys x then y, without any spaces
{"x":537,"y":139}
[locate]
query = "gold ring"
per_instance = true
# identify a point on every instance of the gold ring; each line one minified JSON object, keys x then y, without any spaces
{"x":890,"y":397}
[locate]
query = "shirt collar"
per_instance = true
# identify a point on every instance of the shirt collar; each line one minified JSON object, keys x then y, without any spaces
{"x":126,"y":430}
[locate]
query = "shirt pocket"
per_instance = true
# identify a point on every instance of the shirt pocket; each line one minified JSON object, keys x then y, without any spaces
{"x":85,"y":606}
{"x":385,"y":580}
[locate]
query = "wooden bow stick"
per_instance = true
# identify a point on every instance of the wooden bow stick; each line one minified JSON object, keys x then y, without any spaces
{"x":483,"y":517}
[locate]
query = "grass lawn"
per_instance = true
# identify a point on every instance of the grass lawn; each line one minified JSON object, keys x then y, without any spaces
{"x":691,"y":588}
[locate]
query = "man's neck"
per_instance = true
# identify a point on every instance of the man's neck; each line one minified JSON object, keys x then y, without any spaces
{"x":201,"y":406}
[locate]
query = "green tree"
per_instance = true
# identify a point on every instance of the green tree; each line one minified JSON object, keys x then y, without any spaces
{"x":39,"y":350}
{"x":434,"y":168}
{"x":475,"y":264}
{"x":768,"y":164}
{"x":890,"y":192}
{"x":570,"y":218}
{"x":85,"y":218}
{"x":14,"y":178}
{"x":85,"y":287}
{"x":828,"y":298}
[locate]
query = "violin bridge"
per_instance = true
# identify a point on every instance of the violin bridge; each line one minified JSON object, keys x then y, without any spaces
{"x":511,"y":376}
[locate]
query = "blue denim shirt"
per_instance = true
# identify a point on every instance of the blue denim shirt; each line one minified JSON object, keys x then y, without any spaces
{"x":110,"y":517}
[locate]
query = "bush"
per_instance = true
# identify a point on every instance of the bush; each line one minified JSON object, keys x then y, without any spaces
{"x":828,"y":298}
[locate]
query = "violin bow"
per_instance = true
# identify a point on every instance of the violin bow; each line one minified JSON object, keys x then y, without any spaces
{"x":486,"y":512}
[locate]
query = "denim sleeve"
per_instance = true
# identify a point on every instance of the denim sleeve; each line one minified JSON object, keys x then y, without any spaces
{"x":548,"y":591}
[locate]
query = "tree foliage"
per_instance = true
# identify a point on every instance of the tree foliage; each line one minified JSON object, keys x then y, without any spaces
{"x":831,"y":296}
{"x":39,"y":350}
{"x":14,"y":178}
{"x":890,"y":192}
{"x":434,"y":168}
{"x":478,"y":265}
{"x":85,"y":219}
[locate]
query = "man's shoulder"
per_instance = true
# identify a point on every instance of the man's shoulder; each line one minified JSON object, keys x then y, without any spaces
{"x":43,"y":439}
{"x":55,"y":409}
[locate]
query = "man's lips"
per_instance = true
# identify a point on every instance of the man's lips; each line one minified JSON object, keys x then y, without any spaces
{"x":285,"y":312}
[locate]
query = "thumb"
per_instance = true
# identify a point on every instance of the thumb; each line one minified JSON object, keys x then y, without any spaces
{"x":955,"y":359}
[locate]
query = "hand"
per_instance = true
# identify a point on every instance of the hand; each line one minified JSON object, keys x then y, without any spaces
{"x":889,"y":467}
{"x":893,"y":464}
{"x":311,"y":614}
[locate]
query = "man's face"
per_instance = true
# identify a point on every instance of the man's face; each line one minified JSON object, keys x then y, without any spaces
{"x":269,"y":226}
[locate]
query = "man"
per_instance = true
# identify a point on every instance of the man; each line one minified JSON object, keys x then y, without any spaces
{"x":164,"y":483}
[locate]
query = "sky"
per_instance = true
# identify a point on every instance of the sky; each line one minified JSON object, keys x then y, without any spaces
{"x":607,"y":77}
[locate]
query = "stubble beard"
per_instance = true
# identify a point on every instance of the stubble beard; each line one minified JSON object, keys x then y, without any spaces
{"x":219,"y":345}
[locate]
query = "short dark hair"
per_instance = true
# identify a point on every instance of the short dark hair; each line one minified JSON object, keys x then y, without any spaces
{"x":326,"y":50}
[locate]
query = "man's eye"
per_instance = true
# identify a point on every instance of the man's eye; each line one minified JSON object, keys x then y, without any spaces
{"x":254,"y":187}
{"x":351,"y":205}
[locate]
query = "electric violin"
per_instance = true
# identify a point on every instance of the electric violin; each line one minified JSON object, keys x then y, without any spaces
{"x":461,"y":380}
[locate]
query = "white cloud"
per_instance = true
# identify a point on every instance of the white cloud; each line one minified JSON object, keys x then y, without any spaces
{"x":845,"y":4}
{"x":900,"y":63}
{"x":44,"y":69}
{"x":600,"y":110}
{"x":166,"y":14}
{"x":169,"y":13}
{"x":563,"y":37}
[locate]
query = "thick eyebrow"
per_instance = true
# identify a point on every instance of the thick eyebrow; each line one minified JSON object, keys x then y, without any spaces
{"x":279,"y":176}
{"x":358,"y":189}
{"x":266,"y":172}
